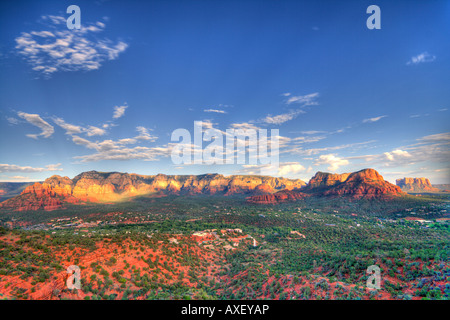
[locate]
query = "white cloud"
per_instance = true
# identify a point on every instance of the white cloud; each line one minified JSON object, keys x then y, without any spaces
{"x":443,"y":137}
{"x":109,"y":150}
{"x":94,"y":131}
{"x":375,"y":119}
{"x":289,"y":168}
{"x":332,"y":160}
{"x":306,"y":100}
{"x":119,"y":111}
{"x":312,"y":132}
{"x":314,"y":151}
{"x":84,"y":142}
{"x":214,"y":111}
{"x":36,"y":120}
{"x":244,"y":126}
{"x":429,"y":149}
{"x":301,"y":140}
{"x":16,"y":168}
{"x":144,"y":134}
{"x":396,"y":154}
{"x":282,"y":118}
{"x":127,"y":141}
{"x":283,"y":169}
{"x":70,"y":128}
{"x":421,"y":58}
{"x":60,"y":49}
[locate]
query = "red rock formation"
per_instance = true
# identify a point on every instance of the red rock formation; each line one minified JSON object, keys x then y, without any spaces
{"x":367,"y":183}
{"x":416,"y":185}
{"x":96,"y":186}
{"x":263,"y":189}
{"x":274,"y":198}
{"x":323,"y":180}
{"x":39,"y":196}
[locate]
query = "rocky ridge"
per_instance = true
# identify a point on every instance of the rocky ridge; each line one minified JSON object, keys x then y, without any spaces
{"x":93,"y":186}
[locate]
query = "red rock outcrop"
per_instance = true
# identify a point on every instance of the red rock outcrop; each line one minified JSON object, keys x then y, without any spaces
{"x":39,"y":196}
{"x":416,"y":185}
{"x":95,"y":186}
{"x":367,"y":183}
{"x":274,"y":198}
{"x":323,"y":180}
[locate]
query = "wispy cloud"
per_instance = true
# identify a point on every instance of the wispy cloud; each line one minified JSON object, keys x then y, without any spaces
{"x":314,"y":151}
{"x":431,"y":148}
{"x":36,"y":120}
{"x":12,"y":120}
{"x":119,"y":111}
{"x":59,"y":49}
{"x":144,"y":134}
{"x":375,"y":119}
{"x":70,"y":128}
{"x":16,"y":168}
{"x":244,"y":126}
{"x":214,"y":111}
{"x":306,"y":100}
{"x":312,"y":132}
{"x":119,"y":149}
{"x":421,"y":58}
{"x":439,"y":137}
{"x":282,"y":118}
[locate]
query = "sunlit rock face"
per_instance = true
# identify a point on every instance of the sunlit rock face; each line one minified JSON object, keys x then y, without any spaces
{"x":367,"y":184}
{"x":415,"y":185}
{"x":95,"y":186}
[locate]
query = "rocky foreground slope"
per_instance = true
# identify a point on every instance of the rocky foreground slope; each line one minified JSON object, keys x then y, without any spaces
{"x":367,"y":184}
{"x":416,"y":185}
{"x":95,"y":186}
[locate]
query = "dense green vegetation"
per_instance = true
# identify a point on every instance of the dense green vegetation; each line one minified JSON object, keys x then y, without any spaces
{"x":299,"y":245}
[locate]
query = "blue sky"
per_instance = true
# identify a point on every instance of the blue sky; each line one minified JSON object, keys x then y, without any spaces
{"x":108,"y":96}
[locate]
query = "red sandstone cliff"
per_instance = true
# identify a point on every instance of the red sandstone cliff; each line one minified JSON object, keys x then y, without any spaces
{"x":95,"y":186}
{"x":367,"y":183}
{"x":416,"y":185}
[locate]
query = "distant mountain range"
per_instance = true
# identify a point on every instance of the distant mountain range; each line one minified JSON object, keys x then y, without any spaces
{"x":95,"y":186}
{"x":442,"y":187}
{"x":110,"y":187}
